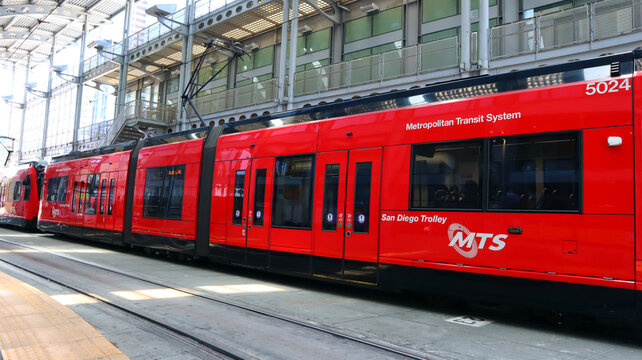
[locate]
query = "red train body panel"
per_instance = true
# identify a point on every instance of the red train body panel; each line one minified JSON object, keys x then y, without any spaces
{"x":512,"y":186}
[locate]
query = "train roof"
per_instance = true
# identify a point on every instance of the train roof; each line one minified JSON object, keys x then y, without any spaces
{"x":618,"y":64}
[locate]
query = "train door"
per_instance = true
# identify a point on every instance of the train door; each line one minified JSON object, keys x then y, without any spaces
{"x":237,"y":211}
{"x":91,"y":204}
{"x":348,"y":184}
{"x":109,"y":198}
{"x":259,"y":214}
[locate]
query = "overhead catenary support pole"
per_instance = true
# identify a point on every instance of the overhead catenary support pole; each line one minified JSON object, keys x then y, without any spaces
{"x":13,"y":77}
{"x":283,"y":52}
{"x":186,"y":63}
{"x":124,"y":68}
{"x":294,"y":28}
{"x":81,"y":70}
{"x":464,"y":62}
{"x":484,"y":40}
{"x":24,"y":110}
{"x":45,"y":126}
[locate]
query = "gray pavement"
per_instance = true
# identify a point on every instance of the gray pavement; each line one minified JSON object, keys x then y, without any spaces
{"x":398,"y":320}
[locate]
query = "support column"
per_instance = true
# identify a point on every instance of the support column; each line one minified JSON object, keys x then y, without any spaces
{"x":24,"y":109}
{"x":124,"y":68}
{"x":186,"y":63}
{"x":484,"y":40}
{"x":283,"y":53}
{"x":13,"y":77}
{"x":79,"y":87}
{"x":294,"y":28}
{"x":464,"y":39}
{"x":45,"y":127}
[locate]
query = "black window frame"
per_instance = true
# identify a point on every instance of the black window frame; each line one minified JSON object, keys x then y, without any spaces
{"x":165,"y":203}
{"x":101,"y":205}
{"x":27,"y":189}
{"x":16,"y":190}
{"x":485,"y":174}
{"x":357,"y":227}
{"x":330,"y":203}
{"x":74,"y":196}
{"x":275,"y":199}
{"x":238,"y":201}
{"x":259,"y":191}
{"x":92,"y":188}
{"x":110,"y":206}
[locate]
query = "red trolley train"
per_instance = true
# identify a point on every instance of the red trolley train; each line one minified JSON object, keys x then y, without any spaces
{"x":19,"y":195}
{"x":517,"y":187}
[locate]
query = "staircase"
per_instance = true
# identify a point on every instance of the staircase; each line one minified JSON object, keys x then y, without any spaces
{"x":137,"y":118}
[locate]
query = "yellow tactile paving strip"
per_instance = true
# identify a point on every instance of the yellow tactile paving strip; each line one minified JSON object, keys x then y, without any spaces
{"x":34,"y":326}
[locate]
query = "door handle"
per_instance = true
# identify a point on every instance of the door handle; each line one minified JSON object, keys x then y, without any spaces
{"x":513,"y":230}
{"x":348,"y":233}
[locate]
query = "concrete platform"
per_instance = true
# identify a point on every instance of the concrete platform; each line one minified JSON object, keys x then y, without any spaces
{"x":34,"y":325}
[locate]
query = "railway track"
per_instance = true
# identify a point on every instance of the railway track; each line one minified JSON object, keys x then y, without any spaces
{"x":214,"y":349}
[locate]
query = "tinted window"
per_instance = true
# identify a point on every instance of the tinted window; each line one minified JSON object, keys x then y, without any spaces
{"x":534,"y":172}
{"x":330,"y":197}
{"x":91,"y":197}
{"x":73,"y":197}
{"x":57,"y":189}
{"x":81,"y":196}
{"x":164,"y":192}
{"x":293,"y":192}
{"x":16,"y":190}
{"x":447,"y":175}
{"x":27,"y":187}
{"x":239,"y":194}
{"x":112,"y":185}
{"x":363,"y":175}
{"x":259,"y":196}
{"x":103,"y":185}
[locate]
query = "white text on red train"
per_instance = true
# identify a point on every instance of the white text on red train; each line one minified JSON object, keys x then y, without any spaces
{"x":460,"y":237}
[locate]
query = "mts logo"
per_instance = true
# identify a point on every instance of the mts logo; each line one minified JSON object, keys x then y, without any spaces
{"x":461,"y":238}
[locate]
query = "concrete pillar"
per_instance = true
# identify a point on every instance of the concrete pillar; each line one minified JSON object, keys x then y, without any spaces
{"x":24,"y":110}
{"x":124,"y":68}
{"x":81,"y":71}
{"x":294,"y":28}
{"x":484,"y":40}
{"x":13,"y":77}
{"x":412,"y":23}
{"x":45,"y":126}
{"x":464,"y":63}
{"x":283,"y":52}
{"x":186,"y":63}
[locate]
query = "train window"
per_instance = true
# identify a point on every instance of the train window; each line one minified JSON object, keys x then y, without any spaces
{"x":259,"y":196}
{"x":293,"y":184}
{"x":537,"y":172}
{"x":330,"y":197}
{"x":16,"y":190}
{"x":57,"y":189}
{"x":112,"y":186}
{"x":447,"y":175}
{"x":73,"y":197}
{"x":164,"y":192}
{"x":27,"y":184}
{"x":239,"y":193}
{"x":362,"y":177}
{"x":91,"y":194}
{"x":103,"y":185}
{"x":80,"y":196}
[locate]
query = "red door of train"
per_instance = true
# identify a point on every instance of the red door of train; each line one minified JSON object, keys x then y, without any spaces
{"x":346,"y":211}
{"x":250,"y":209}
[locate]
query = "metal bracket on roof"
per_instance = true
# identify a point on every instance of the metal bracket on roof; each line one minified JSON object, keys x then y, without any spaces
{"x":335,"y":18}
{"x":55,"y":11}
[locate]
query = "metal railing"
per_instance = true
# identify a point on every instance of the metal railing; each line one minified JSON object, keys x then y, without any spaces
{"x":583,"y":24}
